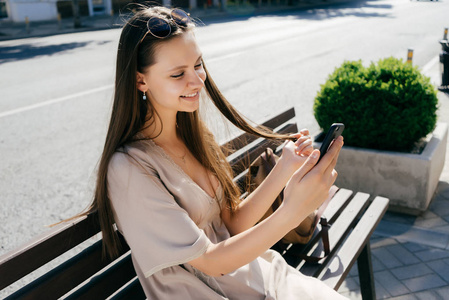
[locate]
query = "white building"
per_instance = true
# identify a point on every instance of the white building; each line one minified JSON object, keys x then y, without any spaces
{"x":41,"y":10}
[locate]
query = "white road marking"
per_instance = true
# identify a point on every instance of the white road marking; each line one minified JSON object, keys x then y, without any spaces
{"x":430,"y":64}
{"x":53,"y":101}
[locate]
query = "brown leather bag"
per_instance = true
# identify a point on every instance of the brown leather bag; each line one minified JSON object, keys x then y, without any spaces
{"x":258,"y":171}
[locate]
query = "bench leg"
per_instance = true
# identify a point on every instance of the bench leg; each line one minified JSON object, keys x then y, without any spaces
{"x":366,"y":275}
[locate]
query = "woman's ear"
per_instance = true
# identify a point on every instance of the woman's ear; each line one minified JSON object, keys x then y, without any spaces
{"x":141,"y":83}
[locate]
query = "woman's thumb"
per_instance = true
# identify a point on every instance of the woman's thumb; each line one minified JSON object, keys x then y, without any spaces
{"x":308,"y":164}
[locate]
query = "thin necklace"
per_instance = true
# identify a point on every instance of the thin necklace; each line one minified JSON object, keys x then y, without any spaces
{"x":182,"y":157}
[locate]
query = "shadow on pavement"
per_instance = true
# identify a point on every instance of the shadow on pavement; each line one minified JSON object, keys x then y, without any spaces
{"x":27,"y":51}
{"x":304,"y":10}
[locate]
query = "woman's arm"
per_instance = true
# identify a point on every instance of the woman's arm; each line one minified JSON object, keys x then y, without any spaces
{"x":305,"y":191}
{"x":253,"y":207}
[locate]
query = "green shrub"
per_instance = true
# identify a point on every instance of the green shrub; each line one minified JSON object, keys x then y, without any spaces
{"x":388,"y":106}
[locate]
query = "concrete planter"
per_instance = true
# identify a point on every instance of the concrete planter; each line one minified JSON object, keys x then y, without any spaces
{"x":408,"y":180}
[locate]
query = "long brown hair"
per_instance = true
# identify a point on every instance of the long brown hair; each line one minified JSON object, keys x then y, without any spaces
{"x":130,"y":114}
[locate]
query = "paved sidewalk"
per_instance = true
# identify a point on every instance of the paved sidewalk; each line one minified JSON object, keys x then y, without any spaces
{"x":410,"y":255}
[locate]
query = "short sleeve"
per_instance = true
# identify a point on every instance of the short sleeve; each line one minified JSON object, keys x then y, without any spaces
{"x":159,"y":232}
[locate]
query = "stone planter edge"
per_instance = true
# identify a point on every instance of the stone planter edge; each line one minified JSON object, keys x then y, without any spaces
{"x":408,"y":180}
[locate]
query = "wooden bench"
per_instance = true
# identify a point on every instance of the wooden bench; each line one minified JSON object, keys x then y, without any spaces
{"x":86,"y":275}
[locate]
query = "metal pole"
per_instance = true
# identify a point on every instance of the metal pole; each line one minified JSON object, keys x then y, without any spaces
{"x":27,"y":24}
{"x":59,"y":21}
{"x":444,"y":61}
{"x":410,"y":55}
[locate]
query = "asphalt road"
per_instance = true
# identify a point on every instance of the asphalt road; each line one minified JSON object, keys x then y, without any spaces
{"x":56,"y":92}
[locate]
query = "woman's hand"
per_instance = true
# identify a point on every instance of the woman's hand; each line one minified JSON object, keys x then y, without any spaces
{"x":309,"y":186}
{"x":295,"y":154}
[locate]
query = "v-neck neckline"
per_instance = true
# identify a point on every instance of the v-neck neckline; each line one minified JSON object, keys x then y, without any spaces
{"x":165,"y":155}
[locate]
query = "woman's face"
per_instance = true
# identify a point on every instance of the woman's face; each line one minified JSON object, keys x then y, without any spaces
{"x":173,"y":83}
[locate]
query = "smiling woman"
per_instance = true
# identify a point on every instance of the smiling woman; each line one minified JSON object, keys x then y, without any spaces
{"x":166,"y":185}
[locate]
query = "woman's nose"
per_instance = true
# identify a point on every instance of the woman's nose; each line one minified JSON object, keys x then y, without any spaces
{"x":196,"y":79}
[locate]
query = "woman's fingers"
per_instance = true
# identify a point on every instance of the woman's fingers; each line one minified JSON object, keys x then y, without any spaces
{"x":307,"y":144}
{"x":304,"y":144}
{"x":307,"y":166}
{"x":301,"y":133}
{"x":329,"y":160}
{"x":304,"y":131}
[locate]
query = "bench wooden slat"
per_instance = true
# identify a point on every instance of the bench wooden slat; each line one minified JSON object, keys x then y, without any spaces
{"x":133,"y":290}
{"x":54,"y":282}
{"x":346,"y":256}
{"x":338,"y":229}
{"x":106,"y":283}
{"x":45,"y":248}
{"x":243,"y":160}
{"x":245,"y":138}
{"x":68,"y":275}
{"x":338,"y":203}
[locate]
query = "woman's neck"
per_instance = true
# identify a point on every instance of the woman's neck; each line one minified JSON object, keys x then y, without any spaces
{"x":163,"y":129}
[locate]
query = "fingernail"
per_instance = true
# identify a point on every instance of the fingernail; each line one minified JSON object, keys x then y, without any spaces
{"x":314,"y":154}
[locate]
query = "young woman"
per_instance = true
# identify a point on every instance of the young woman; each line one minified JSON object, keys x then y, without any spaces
{"x":165,"y":183}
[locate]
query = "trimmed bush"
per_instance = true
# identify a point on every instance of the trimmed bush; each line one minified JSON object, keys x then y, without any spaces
{"x":387,"y":106}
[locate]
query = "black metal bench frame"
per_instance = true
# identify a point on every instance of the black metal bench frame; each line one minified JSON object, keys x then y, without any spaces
{"x":87,"y":275}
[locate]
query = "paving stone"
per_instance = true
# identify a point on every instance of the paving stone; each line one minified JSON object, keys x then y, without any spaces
{"x":377,"y":264}
{"x":381,"y":292}
{"x":403,"y":255}
{"x":425,"y":282}
{"x":392,"y":285}
{"x":353,"y":295}
{"x":414,"y":247}
{"x":388,"y":259}
{"x":430,"y":223}
{"x":432,"y":254}
{"x":350,"y":284}
{"x":399,"y":218}
{"x":441,"y":267}
{"x":442,"y":192}
{"x":444,"y":228}
{"x":446,"y":218}
{"x":405,"y":297}
{"x":428,"y":214}
{"x":443,"y":292}
{"x":354,"y":270}
{"x":410,"y":233}
{"x":382,"y":242}
{"x":408,"y":272}
{"x":428,"y":295}
{"x":441,"y":208}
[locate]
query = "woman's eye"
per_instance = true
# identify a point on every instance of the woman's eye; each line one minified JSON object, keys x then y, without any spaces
{"x":177,"y":75}
{"x":199,"y":65}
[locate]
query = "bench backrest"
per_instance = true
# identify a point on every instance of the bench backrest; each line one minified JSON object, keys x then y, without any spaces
{"x":87,"y":275}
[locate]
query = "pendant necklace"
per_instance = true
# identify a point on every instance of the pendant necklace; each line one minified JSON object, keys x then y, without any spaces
{"x":182,"y":157}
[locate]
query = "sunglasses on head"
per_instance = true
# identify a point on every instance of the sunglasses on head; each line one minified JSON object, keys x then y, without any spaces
{"x":160,"y":28}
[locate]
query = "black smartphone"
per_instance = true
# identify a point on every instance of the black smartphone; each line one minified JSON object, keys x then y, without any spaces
{"x":334,"y":132}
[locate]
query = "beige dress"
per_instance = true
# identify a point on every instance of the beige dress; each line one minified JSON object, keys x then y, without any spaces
{"x":168,"y":220}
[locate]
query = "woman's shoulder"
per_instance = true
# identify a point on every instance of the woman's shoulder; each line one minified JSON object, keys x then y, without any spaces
{"x":138,"y":153}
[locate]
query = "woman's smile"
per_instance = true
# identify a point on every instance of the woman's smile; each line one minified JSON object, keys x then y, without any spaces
{"x":193,"y":96}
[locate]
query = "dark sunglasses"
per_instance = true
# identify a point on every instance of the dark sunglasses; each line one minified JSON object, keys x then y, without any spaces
{"x":160,"y":28}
